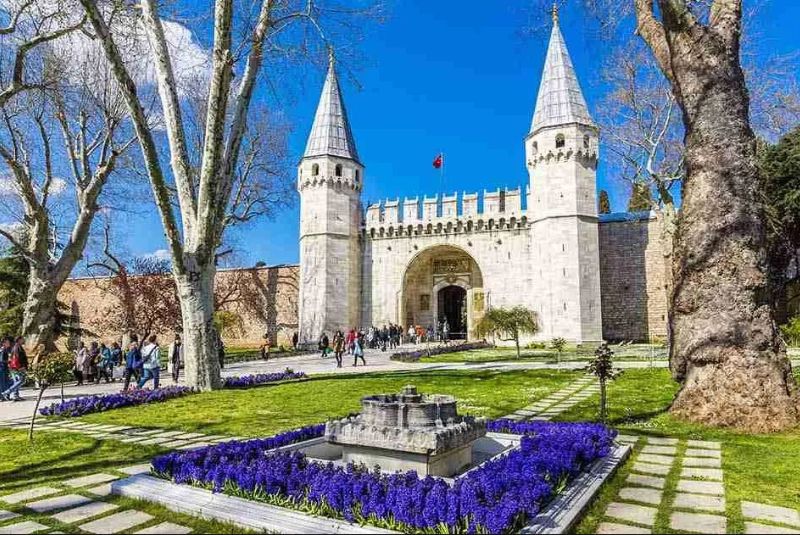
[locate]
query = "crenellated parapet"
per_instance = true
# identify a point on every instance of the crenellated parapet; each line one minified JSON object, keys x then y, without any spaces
{"x":555,"y":146}
{"x":442,"y":214}
{"x":338,"y":183}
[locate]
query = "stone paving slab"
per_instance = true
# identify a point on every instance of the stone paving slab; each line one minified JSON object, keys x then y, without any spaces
{"x":24,"y":527}
{"x":93,"y":479}
{"x":195,"y":445}
{"x":610,"y":528}
{"x":174,"y":443}
{"x":694,"y":452}
{"x":166,"y":527}
{"x":637,"y":514}
{"x":660,"y":450}
{"x":132,"y":470}
{"x":29,"y":494}
{"x":117,"y":522}
{"x":756,"y":528}
{"x":59,"y":502}
{"x":157,"y":440}
{"x":698,"y":522}
{"x":101,"y":490}
{"x":660,"y":441}
{"x":654,"y":469}
{"x":131,"y":440}
{"x":714,"y":474}
{"x":701,"y":487}
{"x":703,"y":502}
{"x":641,"y":495}
{"x":629,"y":439}
{"x":7,"y":515}
{"x":646,"y":481}
{"x":84,"y":512}
{"x":655,"y":459}
{"x":702,"y":462}
{"x":771,"y":513}
{"x":703,"y":444}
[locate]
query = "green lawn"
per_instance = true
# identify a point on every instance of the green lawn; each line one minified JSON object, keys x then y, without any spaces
{"x":502,"y":354}
{"x":54,"y":457}
{"x":760,"y":468}
{"x":267,"y":410}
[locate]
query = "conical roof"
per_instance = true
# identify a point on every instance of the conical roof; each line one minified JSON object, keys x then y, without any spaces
{"x":560,"y":100}
{"x":330,"y":134}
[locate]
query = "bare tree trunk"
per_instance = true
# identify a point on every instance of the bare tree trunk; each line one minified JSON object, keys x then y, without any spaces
{"x":39,"y":317}
{"x":603,"y":402}
{"x":196,"y":293}
{"x":35,"y":411}
{"x":726,"y":351}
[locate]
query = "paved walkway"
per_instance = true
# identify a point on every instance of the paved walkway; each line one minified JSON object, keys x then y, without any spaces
{"x":558,"y":402}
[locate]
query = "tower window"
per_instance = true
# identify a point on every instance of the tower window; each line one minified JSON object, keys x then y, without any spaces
{"x":560,"y":141}
{"x":315,"y":170}
{"x":586,"y":141}
{"x":535,"y":147}
{"x":358,"y":175}
{"x":338,"y":169}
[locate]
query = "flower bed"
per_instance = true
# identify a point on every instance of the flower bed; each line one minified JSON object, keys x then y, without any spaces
{"x":498,"y":496}
{"x":415,"y":356}
{"x":247,"y":381}
{"x":99,"y":403}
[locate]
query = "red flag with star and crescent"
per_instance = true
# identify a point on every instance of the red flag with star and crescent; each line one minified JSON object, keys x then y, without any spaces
{"x":438,"y":161}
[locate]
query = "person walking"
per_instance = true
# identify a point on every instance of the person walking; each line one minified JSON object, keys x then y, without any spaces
{"x":358,"y":349}
{"x":175,"y":357}
{"x":295,"y":339}
{"x":133,"y":365}
{"x":18,"y":367}
{"x":151,"y":362}
{"x":5,"y":354}
{"x":220,"y":349}
{"x":105,"y":368}
{"x":265,"y":347}
{"x":350,"y":340}
{"x":82,"y":363}
{"x":324,"y":345}
{"x":94,"y":359}
{"x":338,"y":347}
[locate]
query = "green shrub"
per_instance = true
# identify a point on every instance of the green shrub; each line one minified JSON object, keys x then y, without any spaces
{"x":791,"y":332}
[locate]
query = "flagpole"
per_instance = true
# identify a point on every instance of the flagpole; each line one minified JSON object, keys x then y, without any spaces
{"x":441,"y":173}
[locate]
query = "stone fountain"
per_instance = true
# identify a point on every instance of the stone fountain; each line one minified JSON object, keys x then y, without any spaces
{"x":408,"y":431}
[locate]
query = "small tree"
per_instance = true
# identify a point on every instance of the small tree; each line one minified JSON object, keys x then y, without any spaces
{"x":603,"y":202}
{"x":558,"y":344}
{"x":602,"y":367}
{"x":48,"y":370}
{"x":508,"y":324}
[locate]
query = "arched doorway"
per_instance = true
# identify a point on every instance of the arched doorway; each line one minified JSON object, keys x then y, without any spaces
{"x":452,"y":309}
{"x":440,"y":283}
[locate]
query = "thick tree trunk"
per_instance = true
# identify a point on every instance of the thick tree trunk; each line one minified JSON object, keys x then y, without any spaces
{"x":196,"y":294}
{"x":39,"y":317}
{"x":725,"y":349}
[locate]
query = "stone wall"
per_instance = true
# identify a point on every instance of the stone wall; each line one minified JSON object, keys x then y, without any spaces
{"x":90,"y":299}
{"x":632,"y":278}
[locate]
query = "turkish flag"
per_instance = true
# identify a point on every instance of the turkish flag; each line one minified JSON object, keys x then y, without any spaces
{"x":438,"y":161}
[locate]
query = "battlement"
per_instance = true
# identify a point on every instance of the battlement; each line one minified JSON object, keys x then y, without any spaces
{"x":460,"y":212}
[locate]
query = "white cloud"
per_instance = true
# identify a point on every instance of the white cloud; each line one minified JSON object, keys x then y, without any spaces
{"x":159,"y":254}
{"x":58,"y":186}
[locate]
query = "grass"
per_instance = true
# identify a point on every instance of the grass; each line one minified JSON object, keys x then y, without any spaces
{"x":504,"y":354}
{"x":760,"y":468}
{"x":267,"y":410}
{"x":54,"y":457}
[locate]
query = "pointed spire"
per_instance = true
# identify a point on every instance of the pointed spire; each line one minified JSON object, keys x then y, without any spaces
{"x":330,"y":134}
{"x":560,"y":100}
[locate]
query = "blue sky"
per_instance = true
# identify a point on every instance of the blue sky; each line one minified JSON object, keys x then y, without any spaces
{"x":457,"y":77}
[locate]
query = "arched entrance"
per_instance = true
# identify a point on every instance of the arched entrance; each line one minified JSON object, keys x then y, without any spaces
{"x":442,"y":283}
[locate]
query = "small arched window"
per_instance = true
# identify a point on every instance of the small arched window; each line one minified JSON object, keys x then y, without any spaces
{"x":358,"y":176}
{"x":560,"y":141}
{"x":338,"y":169}
{"x":586,"y":141}
{"x":315,"y":170}
{"x":535,"y":147}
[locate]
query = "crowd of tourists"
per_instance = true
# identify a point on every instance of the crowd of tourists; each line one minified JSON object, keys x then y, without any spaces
{"x":387,"y":337}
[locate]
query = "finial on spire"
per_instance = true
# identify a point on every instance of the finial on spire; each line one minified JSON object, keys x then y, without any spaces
{"x":331,"y":56}
{"x":555,"y":12}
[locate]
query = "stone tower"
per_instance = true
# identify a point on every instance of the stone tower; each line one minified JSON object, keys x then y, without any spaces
{"x":329,"y":179}
{"x":561,"y":152}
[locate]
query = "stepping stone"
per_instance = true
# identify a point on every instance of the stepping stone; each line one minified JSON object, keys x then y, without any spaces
{"x":610,"y":528}
{"x":701,"y":487}
{"x":24,"y":527}
{"x":703,"y":444}
{"x":702,"y":462}
{"x":647,"y":468}
{"x":101,"y":490}
{"x":756,"y":528}
{"x":157,"y":440}
{"x":694,"y":452}
{"x":194,"y":446}
{"x":60,"y":502}
{"x":655,"y":459}
{"x":714,"y":474}
{"x":166,"y":527}
{"x":637,"y":514}
{"x":168,"y":434}
{"x":130,"y":440}
{"x":84,"y":512}
{"x":646,"y":481}
{"x":149,"y":432}
{"x":136,"y":469}
{"x":772,"y":513}
{"x":93,"y":479}
{"x":699,"y":501}
{"x":659,"y":441}
{"x":117,"y":522}
{"x":660,"y":450}
{"x":628,"y":439}
{"x":175,"y":444}
{"x":698,"y":522}
{"x":637,"y":494}
{"x":7,"y":515}
{"x":29,"y":494}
